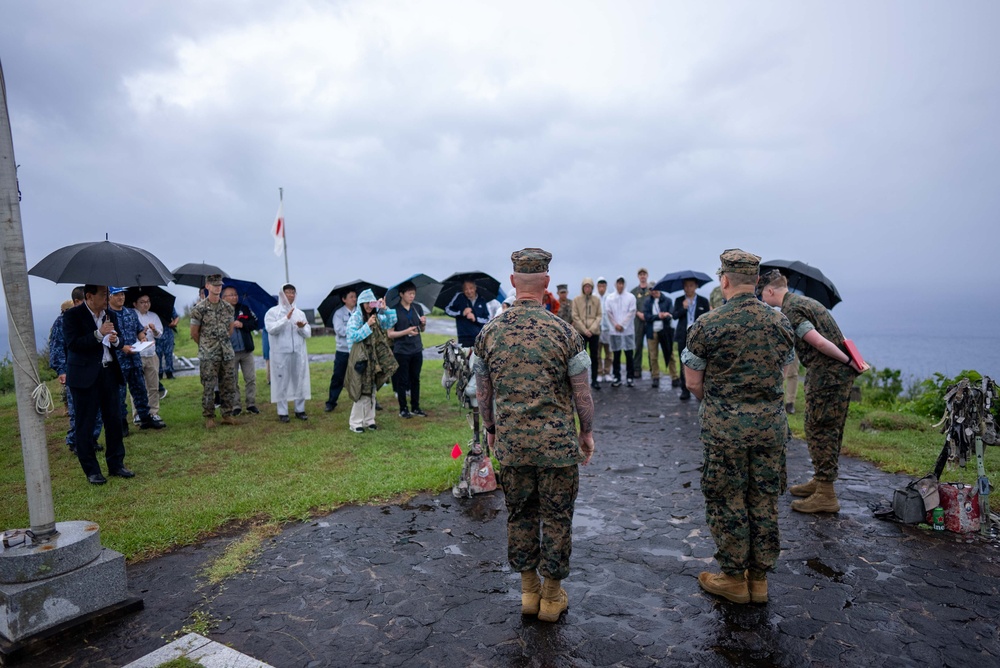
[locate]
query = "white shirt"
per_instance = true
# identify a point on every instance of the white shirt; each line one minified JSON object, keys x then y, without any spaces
{"x":146,"y":320}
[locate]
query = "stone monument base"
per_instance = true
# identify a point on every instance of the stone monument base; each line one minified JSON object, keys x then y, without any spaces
{"x":50,"y":587}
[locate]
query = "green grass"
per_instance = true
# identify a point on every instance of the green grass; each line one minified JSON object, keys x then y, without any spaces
{"x":900,"y":443}
{"x":191,"y":482}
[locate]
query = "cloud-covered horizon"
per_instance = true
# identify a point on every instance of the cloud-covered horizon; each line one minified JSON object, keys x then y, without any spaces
{"x":438,"y":137}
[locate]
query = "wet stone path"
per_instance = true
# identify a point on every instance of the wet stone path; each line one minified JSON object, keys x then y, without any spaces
{"x":425,"y":583}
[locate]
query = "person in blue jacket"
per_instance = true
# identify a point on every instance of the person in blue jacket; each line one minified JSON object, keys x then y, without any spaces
{"x":470,"y":312}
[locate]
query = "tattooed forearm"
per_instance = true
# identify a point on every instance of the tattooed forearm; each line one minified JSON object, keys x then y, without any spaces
{"x":484,"y":395}
{"x":583,"y":401}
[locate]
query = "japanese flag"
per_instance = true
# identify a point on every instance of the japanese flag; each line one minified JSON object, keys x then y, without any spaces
{"x":278,"y":230}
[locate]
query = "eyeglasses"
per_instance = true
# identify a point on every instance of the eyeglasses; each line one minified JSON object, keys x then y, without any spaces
{"x":142,"y":301}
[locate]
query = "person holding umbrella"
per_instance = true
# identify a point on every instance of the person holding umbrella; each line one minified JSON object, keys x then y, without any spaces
{"x":830,"y":375}
{"x":93,"y":376}
{"x":470,"y":312}
{"x":340,"y":318}
{"x":686,"y":311}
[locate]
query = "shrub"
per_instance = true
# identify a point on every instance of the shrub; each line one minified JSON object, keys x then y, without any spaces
{"x":881,"y":387}
{"x":929,"y":397}
{"x":6,"y":375}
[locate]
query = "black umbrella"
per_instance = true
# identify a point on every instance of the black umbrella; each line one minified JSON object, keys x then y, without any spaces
{"x":427,"y":291}
{"x":807,"y":280}
{"x":102,"y":263}
{"x":487,"y":286}
{"x":161,"y":302}
{"x":674,"y":282}
{"x":335,"y":299}
{"x":193,"y":274}
{"x":253,"y":296}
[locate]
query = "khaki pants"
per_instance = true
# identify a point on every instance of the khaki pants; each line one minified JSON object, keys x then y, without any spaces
{"x":362,"y":412}
{"x":151,"y":374}
{"x":791,"y":373}
{"x":245,"y":363}
{"x":604,"y":364}
{"x":667,"y":347}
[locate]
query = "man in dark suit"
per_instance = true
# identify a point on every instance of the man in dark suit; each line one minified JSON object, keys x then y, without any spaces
{"x":93,"y":376}
{"x":687,"y":309}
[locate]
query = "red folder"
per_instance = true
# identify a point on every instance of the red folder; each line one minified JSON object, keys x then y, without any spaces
{"x":854,"y":353}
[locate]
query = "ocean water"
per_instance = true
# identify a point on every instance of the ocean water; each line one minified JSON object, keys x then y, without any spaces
{"x":920,"y":357}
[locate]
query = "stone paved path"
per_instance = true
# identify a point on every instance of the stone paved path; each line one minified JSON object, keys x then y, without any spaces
{"x":425,"y":583}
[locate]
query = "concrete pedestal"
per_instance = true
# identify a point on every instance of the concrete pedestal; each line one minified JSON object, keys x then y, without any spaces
{"x":51,"y":585}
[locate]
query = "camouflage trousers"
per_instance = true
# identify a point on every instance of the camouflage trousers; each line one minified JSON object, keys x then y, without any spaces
{"x":216,"y":373}
{"x":826,"y":413}
{"x":741,"y":483}
{"x":540,"y":505}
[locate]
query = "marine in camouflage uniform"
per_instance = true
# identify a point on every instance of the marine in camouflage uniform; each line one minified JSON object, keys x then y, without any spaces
{"x":829,"y":379}
{"x":535,"y":367}
{"x":57,"y":362}
{"x":737,"y":353}
{"x":214,"y":319}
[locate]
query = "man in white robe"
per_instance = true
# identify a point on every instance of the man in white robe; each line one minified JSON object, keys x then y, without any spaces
{"x":620,"y":308}
{"x":288,"y":330}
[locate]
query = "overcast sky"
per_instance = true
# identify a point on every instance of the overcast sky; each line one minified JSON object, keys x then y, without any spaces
{"x":861,"y":137}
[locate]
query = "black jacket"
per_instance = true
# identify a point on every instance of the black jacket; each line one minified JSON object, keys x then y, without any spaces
{"x":681,"y":317}
{"x":647,"y":310}
{"x":84,"y":352}
{"x":246,"y":316}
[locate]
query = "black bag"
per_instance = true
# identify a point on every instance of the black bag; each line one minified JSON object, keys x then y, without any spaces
{"x":912,"y":503}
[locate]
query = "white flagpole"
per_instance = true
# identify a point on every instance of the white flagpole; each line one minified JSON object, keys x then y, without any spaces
{"x":284,"y":240}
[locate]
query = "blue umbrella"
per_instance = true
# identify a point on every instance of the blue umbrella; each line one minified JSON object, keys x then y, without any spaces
{"x":674,"y":282}
{"x":253,"y":296}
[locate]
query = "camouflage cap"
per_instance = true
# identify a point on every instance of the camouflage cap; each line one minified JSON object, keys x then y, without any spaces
{"x":531,"y":261}
{"x":214,"y":279}
{"x":562,"y":286}
{"x":736,"y":261}
{"x":766,"y":279}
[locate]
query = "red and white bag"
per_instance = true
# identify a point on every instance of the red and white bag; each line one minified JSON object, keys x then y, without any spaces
{"x":961,"y":506}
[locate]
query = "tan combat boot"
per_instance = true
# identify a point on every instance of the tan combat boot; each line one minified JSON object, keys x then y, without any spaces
{"x":731,"y":587}
{"x":209,"y":423}
{"x":554,"y":601}
{"x":229,"y":419}
{"x":805,"y":489}
{"x":531,"y":592}
{"x":758,"y":587}
{"x":823,"y":500}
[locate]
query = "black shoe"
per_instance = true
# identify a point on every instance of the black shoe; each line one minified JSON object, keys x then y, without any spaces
{"x":378,"y":406}
{"x":595,"y":385}
{"x":237,"y":411}
{"x":685,"y":395}
{"x":617,"y":382}
{"x":253,"y":409}
{"x":163,"y":393}
{"x":122,"y":473}
{"x":656,"y":383}
{"x":329,"y":407}
{"x":629,"y":382}
{"x":151,"y":423}
{"x":302,"y":415}
{"x":676,"y":382}
{"x":372,"y":427}
{"x":283,"y":418}
{"x":96,"y":479}
{"x":218,"y":399}
{"x":170,"y":375}
{"x":416,"y":412}
{"x":357,"y":430}
{"x":405,"y":414}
